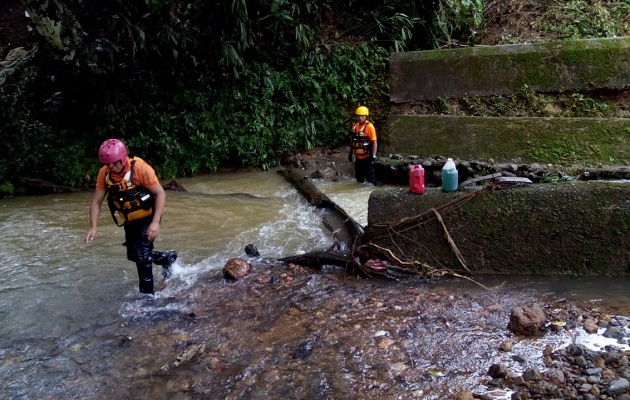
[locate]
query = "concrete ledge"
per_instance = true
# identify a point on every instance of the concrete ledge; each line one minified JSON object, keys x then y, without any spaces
{"x":578,"y":228}
{"x":548,"y":140}
{"x":502,"y":70}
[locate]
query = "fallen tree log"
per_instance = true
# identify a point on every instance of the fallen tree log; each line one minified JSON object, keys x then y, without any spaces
{"x":344,"y":228}
{"x":319,"y":258}
{"x":342,"y":225}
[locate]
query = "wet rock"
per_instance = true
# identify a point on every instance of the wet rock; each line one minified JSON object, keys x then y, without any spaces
{"x":580,"y":361}
{"x":593,"y":371}
{"x":398,"y":367}
{"x":174,"y":186}
{"x":518,"y":381}
{"x":613,"y":333}
{"x":619,"y":386}
{"x":518,"y":359}
{"x":303,"y":350}
{"x":215,"y":364}
{"x":531,"y":374}
{"x":506,"y":345}
{"x":527,"y":320}
{"x":577,"y":373}
{"x":252,"y":251}
{"x":191,"y":352}
{"x":590,"y":328}
{"x":575,"y":350}
{"x":384,"y":343}
{"x":464,"y":395}
{"x":236,"y":268}
{"x":498,"y":371}
{"x":555,"y":377}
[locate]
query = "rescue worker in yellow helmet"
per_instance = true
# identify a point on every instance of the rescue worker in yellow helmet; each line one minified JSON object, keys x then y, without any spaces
{"x":137,"y":197}
{"x":363,"y":146}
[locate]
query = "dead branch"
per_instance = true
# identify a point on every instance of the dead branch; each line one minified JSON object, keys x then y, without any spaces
{"x":451,"y":242}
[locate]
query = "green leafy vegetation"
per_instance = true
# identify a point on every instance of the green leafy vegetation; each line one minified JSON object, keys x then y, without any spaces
{"x":568,"y":151}
{"x":585,"y":19}
{"x":526,"y":103}
{"x":195,"y":86}
{"x":455,"y":20}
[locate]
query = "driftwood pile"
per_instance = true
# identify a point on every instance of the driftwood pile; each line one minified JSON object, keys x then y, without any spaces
{"x":364,"y":257}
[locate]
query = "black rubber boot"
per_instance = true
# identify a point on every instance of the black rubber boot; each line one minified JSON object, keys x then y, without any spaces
{"x":145,"y":277}
{"x":165,"y":259}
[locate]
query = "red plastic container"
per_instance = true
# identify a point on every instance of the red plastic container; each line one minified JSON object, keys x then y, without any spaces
{"x":416,"y":179}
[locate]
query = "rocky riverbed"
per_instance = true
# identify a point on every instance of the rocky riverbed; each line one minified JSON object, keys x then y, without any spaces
{"x":291,"y":332}
{"x":575,"y":371}
{"x":564,"y":370}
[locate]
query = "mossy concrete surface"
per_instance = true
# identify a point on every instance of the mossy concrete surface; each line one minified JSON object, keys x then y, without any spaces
{"x":502,"y":70}
{"x":530,"y":139}
{"x":577,"y":228}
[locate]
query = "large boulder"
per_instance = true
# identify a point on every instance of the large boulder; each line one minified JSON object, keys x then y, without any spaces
{"x":527,"y":321}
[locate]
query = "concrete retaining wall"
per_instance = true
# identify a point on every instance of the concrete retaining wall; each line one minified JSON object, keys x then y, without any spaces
{"x":578,"y":228}
{"x":584,"y":140}
{"x":501,"y":70}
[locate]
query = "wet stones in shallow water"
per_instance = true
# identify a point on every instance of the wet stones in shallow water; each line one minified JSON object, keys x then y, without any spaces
{"x":577,"y":369}
{"x":236,"y":268}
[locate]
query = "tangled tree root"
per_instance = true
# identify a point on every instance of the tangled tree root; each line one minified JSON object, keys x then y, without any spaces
{"x":401,"y":265}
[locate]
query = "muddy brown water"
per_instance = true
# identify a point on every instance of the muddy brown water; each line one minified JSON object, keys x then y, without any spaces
{"x":72,"y":325}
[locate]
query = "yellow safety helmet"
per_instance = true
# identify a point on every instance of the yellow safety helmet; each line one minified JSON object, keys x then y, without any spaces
{"x":362,"y":110}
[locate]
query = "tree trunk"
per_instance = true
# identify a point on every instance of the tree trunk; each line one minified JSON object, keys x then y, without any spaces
{"x":343,"y":226}
{"x":319,"y":258}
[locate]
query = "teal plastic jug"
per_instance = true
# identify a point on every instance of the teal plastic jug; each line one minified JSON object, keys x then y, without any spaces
{"x":450,"y":177}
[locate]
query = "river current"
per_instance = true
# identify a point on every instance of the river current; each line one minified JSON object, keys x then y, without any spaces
{"x":72,"y":325}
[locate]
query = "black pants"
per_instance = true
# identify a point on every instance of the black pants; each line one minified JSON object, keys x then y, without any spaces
{"x":140,"y":251}
{"x":364,"y":170}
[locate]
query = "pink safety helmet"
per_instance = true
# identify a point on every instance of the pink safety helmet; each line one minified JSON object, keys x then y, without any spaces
{"x":112,"y":150}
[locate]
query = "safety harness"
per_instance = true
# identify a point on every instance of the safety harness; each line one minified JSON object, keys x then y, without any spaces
{"x":130,"y":201}
{"x":361,"y":143}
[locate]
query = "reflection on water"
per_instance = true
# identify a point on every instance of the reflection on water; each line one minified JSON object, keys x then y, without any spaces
{"x":72,"y":325}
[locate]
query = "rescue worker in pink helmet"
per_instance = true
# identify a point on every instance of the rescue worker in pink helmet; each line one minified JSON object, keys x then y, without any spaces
{"x":135,"y":195}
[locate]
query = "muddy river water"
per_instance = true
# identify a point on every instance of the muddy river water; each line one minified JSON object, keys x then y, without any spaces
{"x":72,"y":325}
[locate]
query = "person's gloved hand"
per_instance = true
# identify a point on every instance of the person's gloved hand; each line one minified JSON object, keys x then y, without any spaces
{"x":350,"y":156}
{"x":372,"y":159}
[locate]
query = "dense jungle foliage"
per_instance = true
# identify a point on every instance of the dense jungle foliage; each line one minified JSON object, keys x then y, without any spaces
{"x":192,"y":86}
